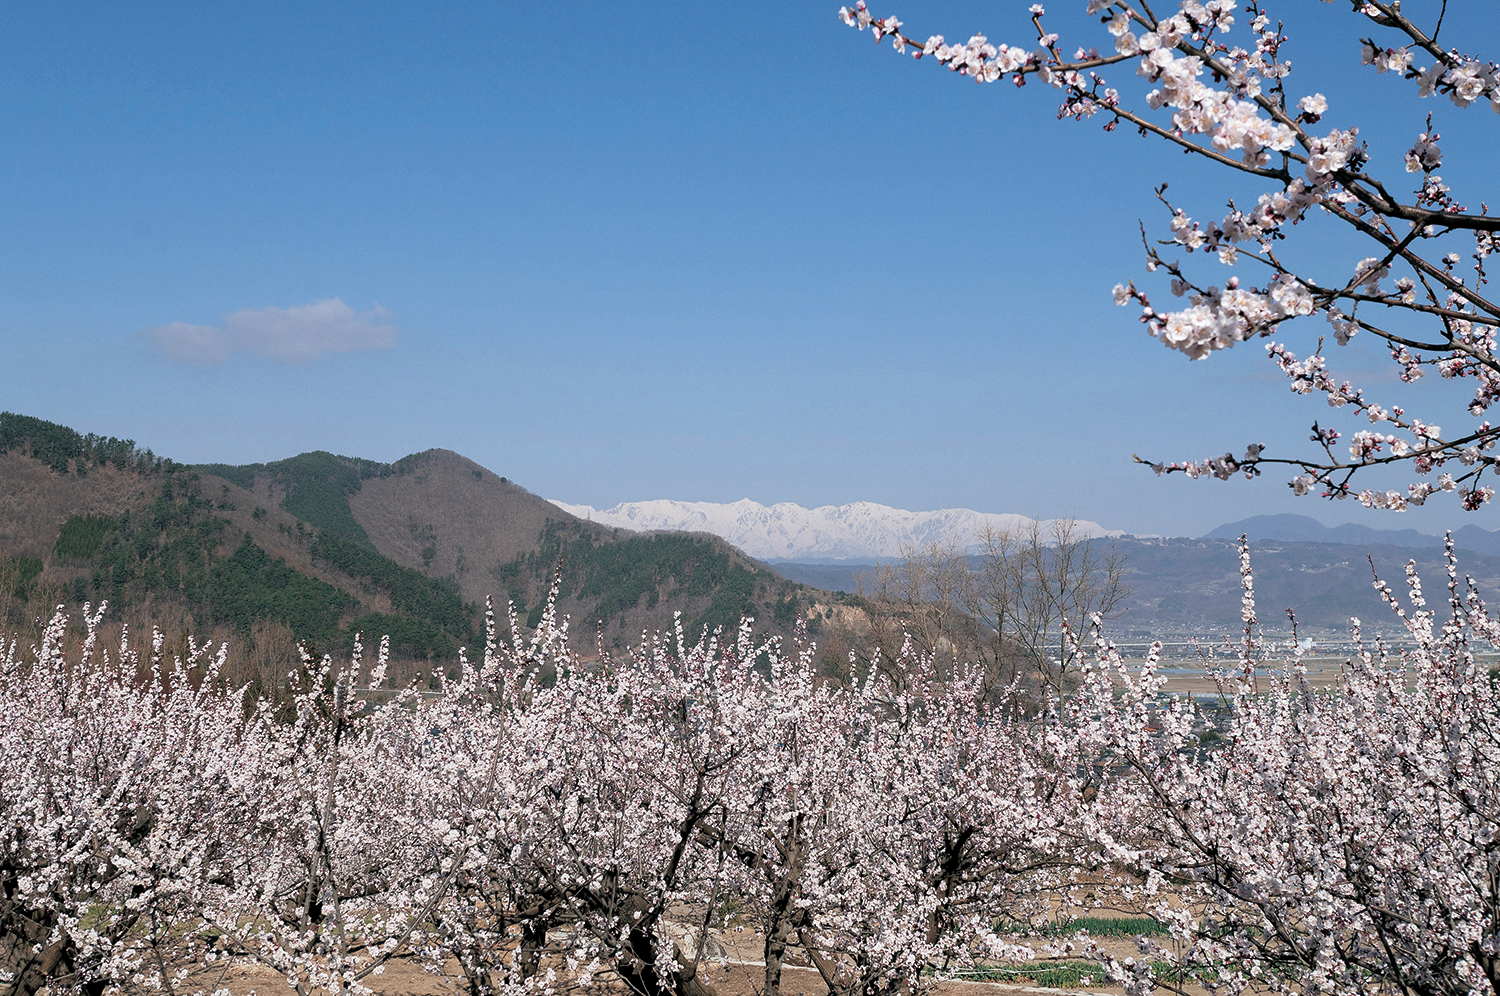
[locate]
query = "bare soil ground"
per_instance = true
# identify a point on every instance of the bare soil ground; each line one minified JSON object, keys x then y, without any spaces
{"x":742,"y":974}
{"x":405,"y":978}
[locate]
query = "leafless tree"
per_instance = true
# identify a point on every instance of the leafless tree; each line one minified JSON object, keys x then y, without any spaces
{"x":927,"y":596}
{"x":1061,"y":575}
{"x":1004,"y":604}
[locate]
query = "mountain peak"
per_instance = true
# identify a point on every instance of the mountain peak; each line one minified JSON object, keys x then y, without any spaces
{"x":860,"y":530}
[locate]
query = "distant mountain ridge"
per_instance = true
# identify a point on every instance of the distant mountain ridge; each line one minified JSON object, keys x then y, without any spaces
{"x":1179,"y":586}
{"x":326,"y":546}
{"x":321,"y":547}
{"x":786,"y":531}
{"x":1305,"y":529}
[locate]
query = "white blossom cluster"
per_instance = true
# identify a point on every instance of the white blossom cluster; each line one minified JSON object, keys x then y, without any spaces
{"x":1331,"y":841}
{"x":1465,"y":80}
{"x":1219,"y":89}
{"x":546,"y":823}
{"x":542,"y":823}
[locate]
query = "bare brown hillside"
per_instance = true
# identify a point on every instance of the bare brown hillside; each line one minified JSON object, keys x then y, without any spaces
{"x":400,"y":547}
{"x":449,"y":517}
{"x":35,"y":501}
{"x":277,"y":532}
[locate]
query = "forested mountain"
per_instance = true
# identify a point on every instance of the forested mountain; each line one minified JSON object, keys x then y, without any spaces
{"x":319,"y":547}
{"x":445,"y":517}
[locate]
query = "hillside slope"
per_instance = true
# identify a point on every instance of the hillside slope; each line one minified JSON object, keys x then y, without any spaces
{"x":1305,"y":529}
{"x":457,"y":523}
{"x":33,"y":507}
{"x":447,"y":516}
{"x":1194,"y":586}
{"x":90,"y":520}
{"x":325,"y":546}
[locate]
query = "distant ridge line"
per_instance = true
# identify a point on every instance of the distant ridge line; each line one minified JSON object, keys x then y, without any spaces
{"x":787,"y":531}
{"x":1289,"y":528}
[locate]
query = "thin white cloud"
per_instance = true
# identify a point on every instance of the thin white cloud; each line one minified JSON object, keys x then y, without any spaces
{"x":300,"y":333}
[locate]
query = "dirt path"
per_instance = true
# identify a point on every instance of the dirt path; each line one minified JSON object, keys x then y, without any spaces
{"x":402,"y":977}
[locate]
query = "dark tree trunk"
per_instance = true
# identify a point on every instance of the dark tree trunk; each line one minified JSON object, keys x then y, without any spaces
{"x":533,"y":940}
{"x":636,"y":966}
{"x":30,"y":968}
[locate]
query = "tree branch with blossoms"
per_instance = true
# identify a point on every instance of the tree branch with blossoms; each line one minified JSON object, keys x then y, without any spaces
{"x":1222,"y":96}
{"x":1328,"y":837}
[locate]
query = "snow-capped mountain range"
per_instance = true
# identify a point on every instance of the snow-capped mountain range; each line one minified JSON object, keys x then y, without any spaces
{"x":861,"y":530}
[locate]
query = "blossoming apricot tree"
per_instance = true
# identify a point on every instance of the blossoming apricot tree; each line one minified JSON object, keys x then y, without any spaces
{"x":544,"y":822}
{"x":122,"y":804}
{"x":1220,"y":90}
{"x":1336,"y":840}
{"x":539,"y":823}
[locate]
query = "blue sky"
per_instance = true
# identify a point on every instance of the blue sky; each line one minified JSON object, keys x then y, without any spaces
{"x":687,"y":250}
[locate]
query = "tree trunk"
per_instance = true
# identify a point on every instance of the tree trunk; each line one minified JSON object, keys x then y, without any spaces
{"x":636,"y":966}
{"x":31,"y":969}
{"x":533,"y":940}
{"x":780,"y":932}
{"x":690,"y":980}
{"x":827,"y":967}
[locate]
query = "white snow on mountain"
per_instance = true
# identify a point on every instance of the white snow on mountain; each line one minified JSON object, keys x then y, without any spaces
{"x":861,"y":530}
